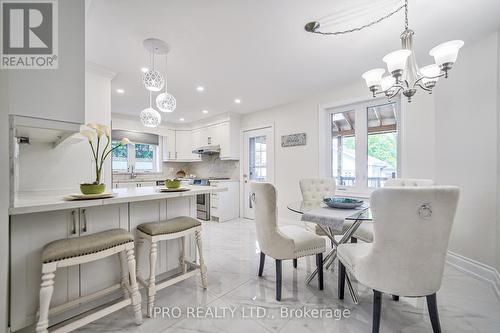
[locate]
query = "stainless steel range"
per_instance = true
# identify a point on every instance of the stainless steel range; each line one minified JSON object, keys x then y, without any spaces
{"x":202,"y":201}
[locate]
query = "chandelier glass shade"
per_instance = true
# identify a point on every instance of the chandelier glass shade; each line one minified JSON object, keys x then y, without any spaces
{"x":150,"y":117}
{"x":153,"y":80}
{"x":166,"y":102}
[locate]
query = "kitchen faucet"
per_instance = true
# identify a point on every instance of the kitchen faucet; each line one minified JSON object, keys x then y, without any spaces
{"x":133,"y":175}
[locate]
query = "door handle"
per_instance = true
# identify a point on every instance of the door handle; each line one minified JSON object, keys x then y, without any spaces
{"x":73,"y":222}
{"x":84,"y":214}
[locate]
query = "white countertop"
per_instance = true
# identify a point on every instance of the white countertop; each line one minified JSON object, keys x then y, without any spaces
{"x":34,"y":202}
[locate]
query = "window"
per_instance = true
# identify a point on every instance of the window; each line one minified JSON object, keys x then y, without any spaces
{"x":344,"y":148}
{"x":137,"y":157}
{"x":257,"y":158}
{"x":363,"y":144}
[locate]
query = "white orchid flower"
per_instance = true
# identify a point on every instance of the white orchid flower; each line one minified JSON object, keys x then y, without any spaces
{"x":125,"y":141}
{"x":87,"y":133}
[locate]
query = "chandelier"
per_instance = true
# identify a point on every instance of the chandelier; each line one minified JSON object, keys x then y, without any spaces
{"x":405,"y":77}
{"x":165,"y":101}
{"x":149,"y":116}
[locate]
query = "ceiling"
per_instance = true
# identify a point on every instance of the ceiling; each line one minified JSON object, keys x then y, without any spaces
{"x":258,"y":51}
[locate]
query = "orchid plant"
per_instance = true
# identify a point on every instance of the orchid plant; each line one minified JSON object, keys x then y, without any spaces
{"x":94,"y":134}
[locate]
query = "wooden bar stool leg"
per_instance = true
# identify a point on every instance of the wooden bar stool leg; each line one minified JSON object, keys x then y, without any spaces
{"x":139,"y":245}
{"x":46,"y":291}
{"x":134,"y":288}
{"x":182,"y":258}
{"x":203,"y":268}
{"x":124,"y":280}
{"x":153,"y":254}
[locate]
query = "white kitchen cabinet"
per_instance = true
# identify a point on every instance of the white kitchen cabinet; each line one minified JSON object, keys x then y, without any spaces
{"x":98,"y":275}
{"x":29,"y":234}
{"x":183,"y":148}
{"x":225,"y":206}
{"x":225,"y":134}
{"x":168,"y":145}
{"x":178,"y":146}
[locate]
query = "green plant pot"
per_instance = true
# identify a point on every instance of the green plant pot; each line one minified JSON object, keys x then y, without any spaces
{"x":92,"y":188}
{"x":172,"y":183}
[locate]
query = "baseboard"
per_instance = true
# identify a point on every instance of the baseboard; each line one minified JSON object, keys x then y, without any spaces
{"x":476,"y":269}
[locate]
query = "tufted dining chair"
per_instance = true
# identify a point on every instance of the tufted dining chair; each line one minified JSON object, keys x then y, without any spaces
{"x":412,"y":226}
{"x":405,"y":182}
{"x":365,"y":230}
{"x":315,"y":190}
{"x":287,"y":242}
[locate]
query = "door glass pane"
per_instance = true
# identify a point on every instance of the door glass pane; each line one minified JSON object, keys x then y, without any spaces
{"x":344,"y":148}
{"x":257,"y":158}
{"x":119,"y":160}
{"x":144,"y":157}
{"x":382,"y":143}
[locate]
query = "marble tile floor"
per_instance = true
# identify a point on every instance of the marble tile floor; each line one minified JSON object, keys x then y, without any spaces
{"x":465,"y":303}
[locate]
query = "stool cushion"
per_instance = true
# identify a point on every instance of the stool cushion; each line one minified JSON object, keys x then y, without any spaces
{"x":170,"y":226}
{"x":75,"y":247}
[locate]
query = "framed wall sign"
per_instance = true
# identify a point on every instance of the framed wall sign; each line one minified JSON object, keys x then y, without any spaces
{"x":293,"y":140}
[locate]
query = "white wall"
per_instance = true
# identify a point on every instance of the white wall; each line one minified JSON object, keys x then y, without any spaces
{"x":467,"y":147}
{"x":42,"y":167}
{"x":295,"y":163}
{"x":56,"y":94}
{"x":451,"y":136}
{"x":4,"y":199}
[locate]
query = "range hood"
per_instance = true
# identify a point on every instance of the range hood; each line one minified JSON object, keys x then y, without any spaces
{"x":207,"y":150}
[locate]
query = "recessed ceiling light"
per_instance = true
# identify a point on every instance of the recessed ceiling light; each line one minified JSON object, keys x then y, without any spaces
{"x":205,"y":111}
{"x":144,"y":69}
{"x":120,"y":91}
{"x":237,"y":101}
{"x":200,"y":88}
{"x":181,"y":119}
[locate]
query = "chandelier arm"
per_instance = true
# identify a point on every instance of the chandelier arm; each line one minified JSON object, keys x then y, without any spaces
{"x":424,"y":88}
{"x":427,"y":77}
{"x":314,"y":28}
{"x":400,"y":88}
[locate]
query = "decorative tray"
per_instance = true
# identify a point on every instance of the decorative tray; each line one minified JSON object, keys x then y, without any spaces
{"x":79,"y":196}
{"x":343,"y":203}
{"x":179,"y":189}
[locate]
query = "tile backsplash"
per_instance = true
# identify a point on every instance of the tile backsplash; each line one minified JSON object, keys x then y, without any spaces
{"x":210,"y":166}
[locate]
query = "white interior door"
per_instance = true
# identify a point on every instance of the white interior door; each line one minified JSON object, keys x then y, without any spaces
{"x":258,"y":162}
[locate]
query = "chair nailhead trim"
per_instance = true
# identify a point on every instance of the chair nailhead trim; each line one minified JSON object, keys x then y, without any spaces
{"x":87,"y":253}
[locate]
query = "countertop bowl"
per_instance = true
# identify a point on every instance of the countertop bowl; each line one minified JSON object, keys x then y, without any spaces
{"x":173,"y":183}
{"x":343,"y":203}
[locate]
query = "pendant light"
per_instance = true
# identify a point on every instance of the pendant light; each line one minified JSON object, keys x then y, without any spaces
{"x":152,"y":79}
{"x":165,"y":101}
{"x":149,"y":116}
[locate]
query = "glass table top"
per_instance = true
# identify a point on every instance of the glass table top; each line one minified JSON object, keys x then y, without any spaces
{"x":361,"y":213}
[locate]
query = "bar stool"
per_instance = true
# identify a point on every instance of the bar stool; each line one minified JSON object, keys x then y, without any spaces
{"x":154,"y":232}
{"x":76,"y":251}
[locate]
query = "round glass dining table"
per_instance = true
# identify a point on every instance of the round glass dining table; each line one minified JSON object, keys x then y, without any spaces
{"x":354,"y":216}
{"x":362,"y":213}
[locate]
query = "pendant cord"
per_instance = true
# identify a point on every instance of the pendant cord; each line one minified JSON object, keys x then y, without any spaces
{"x":313,"y":27}
{"x":406,"y":14}
{"x":150,"y":99}
{"x":166,"y":64}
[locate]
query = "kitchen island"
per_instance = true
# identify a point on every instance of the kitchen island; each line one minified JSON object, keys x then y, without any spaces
{"x":37,"y":218}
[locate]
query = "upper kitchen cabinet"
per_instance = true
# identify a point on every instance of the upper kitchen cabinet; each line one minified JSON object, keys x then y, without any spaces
{"x":228,"y":136}
{"x":55,"y":94}
{"x":168,"y":146}
{"x":177,"y":146}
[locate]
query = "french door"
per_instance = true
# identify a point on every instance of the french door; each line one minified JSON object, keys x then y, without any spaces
{"x":258,"y":162}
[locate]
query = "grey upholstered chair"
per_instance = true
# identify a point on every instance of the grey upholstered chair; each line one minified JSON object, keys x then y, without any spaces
{"x":287,"y":242}
{"x":412,"y":226}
